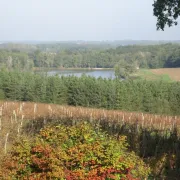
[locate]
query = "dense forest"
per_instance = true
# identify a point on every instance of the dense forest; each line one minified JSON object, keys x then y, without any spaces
{"x":146,"y":96}
{"x":26,"y":57}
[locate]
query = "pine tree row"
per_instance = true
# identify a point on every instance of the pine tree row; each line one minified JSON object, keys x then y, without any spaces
{"x":146,"y":96}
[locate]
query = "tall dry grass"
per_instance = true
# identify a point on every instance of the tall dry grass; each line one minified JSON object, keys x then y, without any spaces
{"x":13,"y":115}
{"x":17,"y":112}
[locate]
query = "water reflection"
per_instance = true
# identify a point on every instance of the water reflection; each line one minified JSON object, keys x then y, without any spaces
{"x":94,"y":73}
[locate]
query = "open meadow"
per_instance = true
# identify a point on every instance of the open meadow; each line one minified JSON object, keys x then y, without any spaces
{"x":164,"y":74}
{"x":173,"y":73}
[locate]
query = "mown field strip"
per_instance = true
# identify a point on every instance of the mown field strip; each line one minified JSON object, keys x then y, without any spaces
{"x":174,"y":73}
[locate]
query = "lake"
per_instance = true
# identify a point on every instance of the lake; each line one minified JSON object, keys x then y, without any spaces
{"x":104,"y":73}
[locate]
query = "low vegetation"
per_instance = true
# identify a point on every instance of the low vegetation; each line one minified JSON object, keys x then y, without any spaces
{"x":154,"y":138}
{"x":151,"y":75}
{"x":76,"y":152}
{"x":173,"y":73}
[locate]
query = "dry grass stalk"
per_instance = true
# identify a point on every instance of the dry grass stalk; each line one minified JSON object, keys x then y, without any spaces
{"x":5,"y":144}
{"x":17,"y":112}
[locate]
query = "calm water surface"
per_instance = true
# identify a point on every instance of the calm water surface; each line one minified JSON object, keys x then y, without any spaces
{"x":94,"y":73}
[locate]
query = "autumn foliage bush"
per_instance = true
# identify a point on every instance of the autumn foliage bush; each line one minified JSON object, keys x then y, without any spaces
{"x":73,"y":152}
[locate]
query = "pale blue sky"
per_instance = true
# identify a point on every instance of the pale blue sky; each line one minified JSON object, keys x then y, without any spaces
{"x":59,"y":20}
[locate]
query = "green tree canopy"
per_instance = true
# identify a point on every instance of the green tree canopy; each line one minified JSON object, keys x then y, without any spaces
{"x":124,"y":69}
{"x":167,"y":12}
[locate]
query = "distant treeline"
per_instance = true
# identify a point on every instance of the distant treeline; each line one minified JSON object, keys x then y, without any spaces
{"x":146,"y":96}
{"x":150,"y":56}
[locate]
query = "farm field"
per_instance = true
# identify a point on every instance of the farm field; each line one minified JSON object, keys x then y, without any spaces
{"x":164,"y":74}
{"x":148,"y":74}
{"x":173,"y":73}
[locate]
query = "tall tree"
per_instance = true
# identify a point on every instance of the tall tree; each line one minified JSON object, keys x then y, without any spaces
{"x":124,"y":69}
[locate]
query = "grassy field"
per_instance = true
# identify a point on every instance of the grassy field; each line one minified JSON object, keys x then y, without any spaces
{"x":165,"y":74}
{"x":173,"y":73}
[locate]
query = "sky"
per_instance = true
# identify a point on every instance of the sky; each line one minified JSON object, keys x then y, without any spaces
{"x":89,"y":20}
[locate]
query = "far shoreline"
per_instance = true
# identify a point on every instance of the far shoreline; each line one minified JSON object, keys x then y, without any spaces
{"x":62,"y":68}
